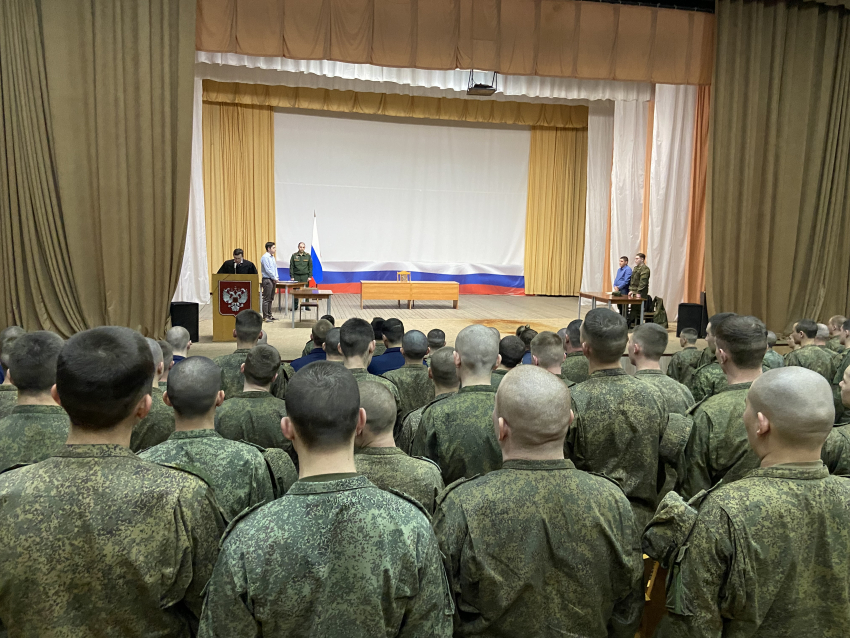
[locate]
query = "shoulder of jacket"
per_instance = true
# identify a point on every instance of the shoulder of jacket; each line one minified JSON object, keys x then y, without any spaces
{"x":612,"y":480}
{"x":237,"y":519}
{"x":692,"y":410}
{"x":435,"y":401}
{"x":451,"y":486}
{"x":427,"y":460}
{"x":187,"y":469}
{"x":16,"y":466}
{"x":410,"y":500}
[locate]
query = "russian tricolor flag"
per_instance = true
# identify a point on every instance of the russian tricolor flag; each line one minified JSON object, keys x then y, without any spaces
{"x":316,"y":253}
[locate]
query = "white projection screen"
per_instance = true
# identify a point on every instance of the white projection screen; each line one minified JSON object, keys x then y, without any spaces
{"x":440,"y":199}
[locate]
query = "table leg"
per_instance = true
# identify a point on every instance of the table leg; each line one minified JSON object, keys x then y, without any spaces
{"x":293,"y":309}
{"x":579,"y":306}
{"x":609,"y":304}
{"x":361,"y":301}
{"x":593,"y":304}
{"x":455,"y":303}
{"x":410,"y":304}
{"x":328,"y":306}
{"x":641,"y":311}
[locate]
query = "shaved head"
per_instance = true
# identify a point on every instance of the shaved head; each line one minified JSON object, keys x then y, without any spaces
{"x":379,"y":404}
{"x":443,"y":369}
{"x":415,"y":345}
{"x":193,"y":386}
{"x":536,"y":406}
{"x":548,"y":348}
{"x":478,"y":348}
{"x":156,"y":351}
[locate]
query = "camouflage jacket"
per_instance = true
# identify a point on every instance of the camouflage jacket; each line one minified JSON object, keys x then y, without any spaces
{"x":772,"y":360}
{"x":574,"y":367}
{"x":767,"y":556}
{"x":380,"y":348}
{"x":640,"y":280}
{"x":717,"y":447}
{"x":619,"y":423}
{"x":336,"y":556}
{"x":457,"y":434}
{"x":505,"y":538}
{"x":496,"y":377}
{"x":834,"y":344}
{"x":232,"y":379}
{"x":95,"y":541}
{"x":410,"y":424}
{"x":31,"y":434}
{"x":415,"y":389}
{"x":361,"y":374}
{"x":836,"y":451}
{"x":301,"y":264}
{"x":280,"y":384}
{"x":683,"y":364}
{"x":677,"y":398}
{"x":156,"y":427}
{"x":254,"y":417}
{"x":814,"y":358}
{"x":308,"y":348}
{"x":841,"y":362}
{"x":236,"y":471}
{"x":390,"y":468}
{"x":706,"y":356}
{"x":8,"y":399}
{"x":708,"y":380}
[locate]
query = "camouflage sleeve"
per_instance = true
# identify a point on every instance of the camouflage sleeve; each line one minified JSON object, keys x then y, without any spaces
{"x":571,"y":440}
{"x":451,"y":529}
{"x":430,"y":612}
{"x":628,"y":609}
{"x":228,"y":609}
{"x":695,"y":469}
{"x":673,"y":368}
{"x":668,"y":529}
{"x":674,"y":440}
{"x":262,"y":490}
{"x":291,"y":265}
{"x":835,"y":454}
{"x":282,"y":470}
{"x":699,"y":387}
{"x":425,"y":441}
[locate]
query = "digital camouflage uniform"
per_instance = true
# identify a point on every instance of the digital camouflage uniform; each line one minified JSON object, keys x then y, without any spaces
{"x":772,"y":360}
{"x":836,"y":450}
{"x":300,"y":269}
{"x":457,"y":434}
{"x":336,"y":556}
{"x":410,"y":425}
{"x":618,"y":426}
{"x":768,"y":556}
{"x":255,"y":417}
{"x":717,"y":447}
{"x":415,"y":389}
{"x":232,"y":380}
{"x":841,"y":362}
{"x":574,"y":367}
{"x":31,"y":434}
{"x":640,"y":285}
{"x":708,"y":380}
{"x":496,"y":377}
{"x":683,"y":364}
{"x":156,"y":427}
{"x":163,"y":385}
{"x":706,"y":356}
{"x":539,"y":548}
{"x":308,"y":348}
{"x":380,"y":348}
{"x":281,"y":467}
{"x":95,"y":541}
{"x":236,"y":471}
{"x":391,"y":469}
{"x":361,"y":374}
{"x":677,"y":398}
{"x":814,"y":358}
{"x":8,"y":399}
{"x":834,"y":344}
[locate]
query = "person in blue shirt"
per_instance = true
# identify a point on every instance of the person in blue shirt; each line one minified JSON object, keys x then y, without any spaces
{"x":527,"y":334}
{"x":622,"y":281}
{"x":268,"y":266}
{"x":392,"y":359}
{"x":320,"y":331}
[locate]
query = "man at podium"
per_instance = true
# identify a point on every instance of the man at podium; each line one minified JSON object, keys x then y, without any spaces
{"x":238,"y":265}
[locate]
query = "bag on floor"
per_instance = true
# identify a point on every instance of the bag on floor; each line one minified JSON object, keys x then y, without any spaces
{"x":660,"y":316}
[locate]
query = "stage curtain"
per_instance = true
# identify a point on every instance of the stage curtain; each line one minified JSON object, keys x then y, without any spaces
{"x":778,"y":213}
{"x":555,"y":215}
{"x":695,"y":248}
{"x":238,"y":180}
{"x":513,"y":37}
{"x":488,"y":111}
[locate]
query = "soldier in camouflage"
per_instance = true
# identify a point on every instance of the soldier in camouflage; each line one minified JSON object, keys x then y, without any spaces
{"x":331,"y":347}
{"x":336,"y":556}
{"x":772,"y":359}
{"x":236,"y":471}
{"x":638,"y":286}
{"x":646,"y":347}
{"x":808,"y":354}
{"x":167,"y":362}
{"x":619,"y":420}
{"x":504,"y":534}
{"x":836,"y":337}
{"x":311,"y":345}
{"x":708,"y":378}
{"x":443,"y":374}
{"x":95,"y":541}
{"x":379,"y":460}
{"x":415,"y":389}
{"x":249,"y":328}
{"x":768,"y":554}
{"x":8,"y":392}
{"x":158,"y":425}
{"x":836,"y":449}
{"x":683,"y":364}
{"x":457,"y":433}
{"x":841,"y":363}
{"x":511,"y":352}
{"x":547,"y":352}
{"x":574,"y":366}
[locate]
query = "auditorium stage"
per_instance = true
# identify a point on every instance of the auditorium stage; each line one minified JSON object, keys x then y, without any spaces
{"x":505,"y":312}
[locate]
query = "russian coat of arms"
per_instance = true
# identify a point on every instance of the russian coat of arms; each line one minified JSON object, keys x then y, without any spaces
{"x":234,"y":297}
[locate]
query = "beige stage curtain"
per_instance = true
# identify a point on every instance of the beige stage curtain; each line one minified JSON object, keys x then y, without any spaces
{"x":778,"y":209}
{"x":489,"y":111}
{"x":559,"y":38}
{"x":555,"y":215}
{"x":695,"y":255}
{"x":238,"y":180}
{"x":97,"y":140}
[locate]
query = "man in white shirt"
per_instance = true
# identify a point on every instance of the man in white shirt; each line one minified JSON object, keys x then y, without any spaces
{"x":269,"y":271}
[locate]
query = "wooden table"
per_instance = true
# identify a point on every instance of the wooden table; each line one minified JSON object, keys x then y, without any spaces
{"x":286,"y":286}
{"x":312,"y":293}
{"x":607,"y":297}
{"x":410,"y":291}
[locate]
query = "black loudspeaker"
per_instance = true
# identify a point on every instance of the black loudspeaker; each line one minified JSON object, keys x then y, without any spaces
{"x":184,"y":313}
{"x":690,"y":316}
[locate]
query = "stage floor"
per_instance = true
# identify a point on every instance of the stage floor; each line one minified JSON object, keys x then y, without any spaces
{"x":503,"y":312}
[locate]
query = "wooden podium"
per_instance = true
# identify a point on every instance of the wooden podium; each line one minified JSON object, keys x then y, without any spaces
{"x":231,"y":295}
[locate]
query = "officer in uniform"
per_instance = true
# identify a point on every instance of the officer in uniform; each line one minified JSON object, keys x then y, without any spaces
{"x":639,"y":286}
{"x":300,"y":266}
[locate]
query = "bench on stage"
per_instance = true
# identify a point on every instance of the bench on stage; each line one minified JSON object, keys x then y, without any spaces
{"x":410,"y":291}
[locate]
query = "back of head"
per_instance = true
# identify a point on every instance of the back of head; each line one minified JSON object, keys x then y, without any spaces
{"x":478,"y":348}
{"x":379,"y":404}
{"x":823,"y":332}
{"x":261,"y":365}
{"x":574,"y":333}
{"x":355,"y":335}
{"x":548,"y":348}
{"x":378,"y":327}
{"x":836,"y":322}
{"x":178,"y":337}
{"x":329,"y":318}
{"x":605,"y":332}
{"x":249,"y":325}
{"x":415,"y":345}
{"x":332,"y":343}
{"x":443,"y":369}
{"x":771,"y":338}
{"x":393,"y":330}
{"x":167,"y":354}
{"x":102,"y":374}
{"x":7,"y":338}
{"x":156,"y":352}
{"x":320,"y":331}
{"x":652,"y":339}
{"x":323,"y":403}
{"x":193,"y":386}
{"x":527,"y":337}
{"x":536,"y":405}
{"x":716,"y":319}
{"x":512,"y":350}
{"x":436,"y":339}
{"x":32,"y":361}
{"x":744,"y":339}
{"x":690,"y":335}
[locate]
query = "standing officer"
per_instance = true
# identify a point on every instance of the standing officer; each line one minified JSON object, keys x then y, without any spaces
{"x":300,"y":267}
{"x":638,"y":286}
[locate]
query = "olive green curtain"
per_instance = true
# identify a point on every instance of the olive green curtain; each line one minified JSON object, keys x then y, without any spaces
{"x":97,"y":125}
{"x":778,"y":207}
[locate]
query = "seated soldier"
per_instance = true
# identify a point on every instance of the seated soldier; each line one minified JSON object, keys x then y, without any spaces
{"x":547,"y":352}
{"x":527,"y":335}
{"x":769,"y":555}
{"x":254,"y":415}
{"x":167,"y":362}
{"x":158,"y":425}
{"x":178,"y":338}
{"x":822,"y":336}
{"x":443,"y":375}
{"x":836,"y":449}
{"x":683,"y":364}
{"x":808,"y":354}
{"x":336,"y":556}
{"x":717,"y":448}
{"x":504,"y":535}
{"x":377,"y":329}
{"x":646,"y":347}
{"x":37,"y":426}
{"x":415,"y":389}
{"x":311,"y":345}
{"x":772,"y":359}
{"x":95,"y":541}
{"x":511,"y":352}
{"x":391,"y":359}
{"x":320,"y":332}
{"x":841,"y":362}
{"x":8,"y":392}
{"x":331,"y":346}
{"x":436,"y":340}
{"x":619,"y":420}
{"x":708,"y":378}
{"x":574,"y":366}
{"x":835,"y":343}
{"x":457,"y":432}
{"x":236,"y":471}
{"x":248,"y":330}
{"x":379,"y":460}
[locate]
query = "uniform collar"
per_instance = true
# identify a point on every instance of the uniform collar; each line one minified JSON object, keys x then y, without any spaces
{"x":609,"y":372}
{"x":252,"y":394}
{"x":577,"y":353}
{"x":38,"y":409}
{"x":328,"y":483}
{"x":526,"y":464}
{"x":737,"y":386}
{"x":647,"y":372}
{"x":415,"y":366}
{"x":800,"y":471}
{"x":4,"y":387}
{"x":477,"y":388}
{"x":240,"y":351}
{"x":194,"y":434}
{"x":94,"y":450}
{"x":689,"y":348}
{"x":379,"y":451}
